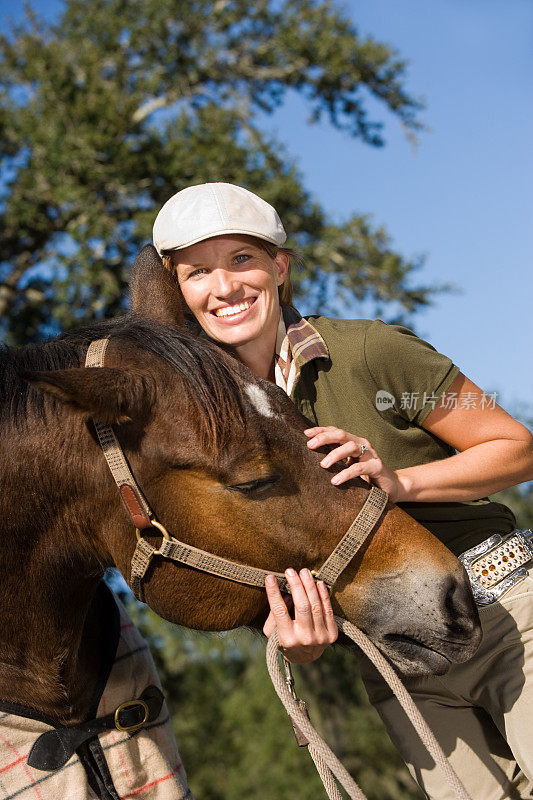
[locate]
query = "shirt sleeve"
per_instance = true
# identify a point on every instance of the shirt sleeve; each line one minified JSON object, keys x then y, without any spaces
{"x":408,"y":369}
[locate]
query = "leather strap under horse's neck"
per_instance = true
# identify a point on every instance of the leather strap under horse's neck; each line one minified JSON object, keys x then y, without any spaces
{"x":143,"y":517}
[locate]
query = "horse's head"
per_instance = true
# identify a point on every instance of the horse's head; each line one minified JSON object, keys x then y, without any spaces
{"x":222,"y":459}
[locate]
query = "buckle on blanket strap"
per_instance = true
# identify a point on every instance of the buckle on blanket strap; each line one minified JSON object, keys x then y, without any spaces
{"x":131,"y":715}
{"x":497,"y":563}
{"x":52,"y":749}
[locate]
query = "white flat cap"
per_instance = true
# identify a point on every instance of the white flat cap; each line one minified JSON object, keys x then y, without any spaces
{"x":212,"y":209}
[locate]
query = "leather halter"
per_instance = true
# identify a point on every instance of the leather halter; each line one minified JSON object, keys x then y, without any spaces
{"x":143,"y":518}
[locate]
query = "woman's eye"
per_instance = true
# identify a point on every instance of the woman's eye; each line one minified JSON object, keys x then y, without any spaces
{"x":196,"y":272}
{"x":241,"y":258}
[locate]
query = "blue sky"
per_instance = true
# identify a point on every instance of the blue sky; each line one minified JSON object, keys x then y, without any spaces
{"x":463,"y":197}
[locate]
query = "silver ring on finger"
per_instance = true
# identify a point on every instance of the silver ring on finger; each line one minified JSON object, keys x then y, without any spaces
{"x":364,"y":448}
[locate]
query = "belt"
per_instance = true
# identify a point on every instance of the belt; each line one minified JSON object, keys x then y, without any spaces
{"x":496,"y":564}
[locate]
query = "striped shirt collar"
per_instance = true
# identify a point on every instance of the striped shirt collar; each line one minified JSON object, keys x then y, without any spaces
{"x":297,"y":343}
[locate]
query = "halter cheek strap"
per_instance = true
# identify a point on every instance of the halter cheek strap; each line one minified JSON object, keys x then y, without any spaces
{"x":132,"y":497}
{"x":143,"y":518}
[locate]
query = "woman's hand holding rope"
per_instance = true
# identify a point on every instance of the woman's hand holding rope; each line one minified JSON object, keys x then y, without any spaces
{"x":305,"y":637}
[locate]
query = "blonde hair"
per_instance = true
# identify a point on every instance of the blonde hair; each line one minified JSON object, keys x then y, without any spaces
{"x":285,"y":291}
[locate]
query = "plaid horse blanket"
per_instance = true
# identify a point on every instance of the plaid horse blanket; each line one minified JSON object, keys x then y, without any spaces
{"x":113,"y":765}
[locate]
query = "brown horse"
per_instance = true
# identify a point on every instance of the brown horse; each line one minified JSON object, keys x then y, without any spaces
{"x":221,"y":457}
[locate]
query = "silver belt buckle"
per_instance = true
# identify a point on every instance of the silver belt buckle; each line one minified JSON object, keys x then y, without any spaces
{"x":496,"y":564}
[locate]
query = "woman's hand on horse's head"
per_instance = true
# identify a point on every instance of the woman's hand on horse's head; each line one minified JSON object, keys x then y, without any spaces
{"x":361,"y":459}
{"x":305,"y":637}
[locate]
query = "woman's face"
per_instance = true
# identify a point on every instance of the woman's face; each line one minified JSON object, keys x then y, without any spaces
{"x":231,"y":286}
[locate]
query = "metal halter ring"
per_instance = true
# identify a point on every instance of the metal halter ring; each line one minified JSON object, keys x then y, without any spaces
{"x":155,"y":524}
{"x":316,"y":577}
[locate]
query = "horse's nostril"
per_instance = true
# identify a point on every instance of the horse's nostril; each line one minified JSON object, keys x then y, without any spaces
{"x":460,"y":607}
{"x":450,"y":597}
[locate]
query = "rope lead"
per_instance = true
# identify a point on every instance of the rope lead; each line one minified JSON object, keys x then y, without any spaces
{"x":328,"y":765}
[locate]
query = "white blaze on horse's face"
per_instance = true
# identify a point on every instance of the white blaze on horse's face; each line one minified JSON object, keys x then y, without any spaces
{"x":231,"y":286}
{"x":259,"y":399}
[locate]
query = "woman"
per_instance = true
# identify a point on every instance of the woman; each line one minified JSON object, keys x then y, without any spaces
{"x":402,"y":416}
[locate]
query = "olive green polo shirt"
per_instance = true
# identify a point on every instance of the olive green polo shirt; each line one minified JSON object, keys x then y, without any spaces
{"x":380,"y":382}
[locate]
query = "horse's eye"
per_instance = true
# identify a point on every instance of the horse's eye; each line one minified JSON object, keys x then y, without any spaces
{"x":259,"y":485}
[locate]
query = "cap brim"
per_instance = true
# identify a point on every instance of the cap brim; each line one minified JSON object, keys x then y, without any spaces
{"x":221,"y":232}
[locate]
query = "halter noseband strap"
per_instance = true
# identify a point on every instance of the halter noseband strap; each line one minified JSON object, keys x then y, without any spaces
{"x":143,"y":517}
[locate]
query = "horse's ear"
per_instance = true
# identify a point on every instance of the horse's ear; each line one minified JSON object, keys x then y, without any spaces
{"x":154,"y":291}
{"x":108,"y":394}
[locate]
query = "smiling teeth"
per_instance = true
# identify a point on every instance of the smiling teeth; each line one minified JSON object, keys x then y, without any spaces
{"x":231,"y":310}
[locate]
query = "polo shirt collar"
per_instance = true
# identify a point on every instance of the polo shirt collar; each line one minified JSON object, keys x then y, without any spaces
{"x":297,"y":343}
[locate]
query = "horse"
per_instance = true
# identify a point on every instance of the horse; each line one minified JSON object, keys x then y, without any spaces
{"x":221,"y":456}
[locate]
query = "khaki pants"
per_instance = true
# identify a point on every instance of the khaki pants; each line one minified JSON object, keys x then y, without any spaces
{"x":481,"y":712}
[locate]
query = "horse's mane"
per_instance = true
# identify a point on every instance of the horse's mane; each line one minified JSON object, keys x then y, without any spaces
{"x":205,"y":374}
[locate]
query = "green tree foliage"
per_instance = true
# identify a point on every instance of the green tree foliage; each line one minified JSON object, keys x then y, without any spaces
{"x":120,"y":103}
{"x":520,"y":499}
